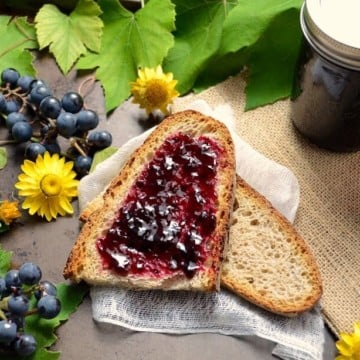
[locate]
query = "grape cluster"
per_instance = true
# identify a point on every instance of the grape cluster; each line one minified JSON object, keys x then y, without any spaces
{"x":23,"y":293}
{"x":33,"y":115}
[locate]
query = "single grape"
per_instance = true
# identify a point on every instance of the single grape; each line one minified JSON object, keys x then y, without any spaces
{"x":82,"y":164}
{"x":12,"y":106}
{"x":100,"y":139}
{"x":22,"y":131}
{"x":38,"y":93}
{"x":52,"y":146}
{"x":25,"y":345}
{"x":2,"y":103}
{"x":8,"y":331}
{"x":72,"y":102}
{"x":30,"y":273}
{"x":13,"y":118}
{"x":38,"y":82}
{"x":45,"y":288}
{"x":10,"y":76}
{"x":24,"y":82}
{"x":48,"y":307}
{"x":18,"y":305}
{"x":12,"y":279}
{"x":50,"y":107}
{"x":87,"y":120}
{"x":66,"y":124}
{"x":32,"y":150}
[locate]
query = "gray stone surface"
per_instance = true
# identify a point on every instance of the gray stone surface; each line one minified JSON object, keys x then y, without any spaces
{"x":48,"y":244}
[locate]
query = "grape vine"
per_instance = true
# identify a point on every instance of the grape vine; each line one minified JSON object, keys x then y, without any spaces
{"x":34,"y":116}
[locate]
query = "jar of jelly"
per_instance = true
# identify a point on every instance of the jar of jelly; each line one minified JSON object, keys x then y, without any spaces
{"x":325,"y":104}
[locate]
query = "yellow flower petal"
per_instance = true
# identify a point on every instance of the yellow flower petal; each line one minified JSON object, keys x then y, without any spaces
{"x":154,"y":90}
{"x":48,"y":186}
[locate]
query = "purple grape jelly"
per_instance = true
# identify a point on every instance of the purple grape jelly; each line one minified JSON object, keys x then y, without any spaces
{"x":167,"y":219}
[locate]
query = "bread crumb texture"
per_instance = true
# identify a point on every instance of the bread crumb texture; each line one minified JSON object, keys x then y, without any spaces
{"x":267,"y":262}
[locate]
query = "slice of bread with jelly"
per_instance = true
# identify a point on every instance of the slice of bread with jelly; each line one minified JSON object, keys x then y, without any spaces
{"x":267,"y":261}
{"x":163,"y":221}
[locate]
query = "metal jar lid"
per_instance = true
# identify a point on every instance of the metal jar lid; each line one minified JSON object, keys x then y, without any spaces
{"x":332,"y":28}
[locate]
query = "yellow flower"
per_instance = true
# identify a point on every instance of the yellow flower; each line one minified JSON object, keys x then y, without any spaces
{"x":9,"y":211}
{"x":48,"y":186}
{"x":154,"y":90}
{"x":349,"y":344}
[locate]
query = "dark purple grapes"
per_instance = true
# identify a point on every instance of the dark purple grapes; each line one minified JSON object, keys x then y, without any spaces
{"x":18,"y":305}
{"x":12,"y":106}
{"x":72,"y":102}
{"x":29,"y":273}
{"x":50,"y":107}
{"x":32,"y":150}
{"x":48,"y":307}
{"x":82,"y":164}
{"x":66,"y":124}
{"x":39,"y":93}
{"x":13,"y":118}
{"x":22,"y":131}
{"x":45,"y":288}
{"x":25,"y":345}
{"x":10,"y":76}
{"x":100,"y":139}
{"x":12,"y":279}
{"x":33,"y":115}
{"x":8,"y":331}
{"x":24,"y":82}
{"x":52,"y":146}
{"x":87,"y":120}
{"x":22,"y":293}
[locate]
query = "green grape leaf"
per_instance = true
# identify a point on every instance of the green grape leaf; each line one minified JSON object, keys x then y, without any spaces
{"x":130,"y":40}
{"x":3,"y":157}
{"x":69,"y":36}
{"x":258,"y":27}
{"x":271,"y":79}
{"x":197,"y":39}
{"x":17,"y":38}
{"x":5,"y":261}
{"x":102,"y":155}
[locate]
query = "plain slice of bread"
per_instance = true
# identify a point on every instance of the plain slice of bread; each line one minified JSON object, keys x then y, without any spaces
{"x":84,"y":262}
{"x":267,"y":262}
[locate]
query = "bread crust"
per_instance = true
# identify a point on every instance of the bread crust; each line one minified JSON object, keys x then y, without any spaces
{"x":84,"y":262}
{"x":295,"y":285}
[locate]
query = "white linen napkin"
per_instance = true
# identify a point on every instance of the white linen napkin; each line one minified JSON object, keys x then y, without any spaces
{"x":180,"y":312}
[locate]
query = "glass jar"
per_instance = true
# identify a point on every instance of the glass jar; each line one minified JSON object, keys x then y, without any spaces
{"x":325,"y":105}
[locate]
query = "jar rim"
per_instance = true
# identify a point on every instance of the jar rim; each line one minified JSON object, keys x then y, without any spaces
{"x":330,"y":48}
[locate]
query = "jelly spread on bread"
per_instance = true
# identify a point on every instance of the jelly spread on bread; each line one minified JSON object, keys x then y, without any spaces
{"x":163,"y":224}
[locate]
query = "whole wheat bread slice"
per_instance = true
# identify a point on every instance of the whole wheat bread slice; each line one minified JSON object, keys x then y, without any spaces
{"x":84,"y":262}
{"x":267,"y":261}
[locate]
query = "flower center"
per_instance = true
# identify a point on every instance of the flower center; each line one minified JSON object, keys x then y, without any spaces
{"x":50,"y":185}
{"x":156,"y":92}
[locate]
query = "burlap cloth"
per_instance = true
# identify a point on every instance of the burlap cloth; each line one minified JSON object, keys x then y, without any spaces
{"x":328,"y":216}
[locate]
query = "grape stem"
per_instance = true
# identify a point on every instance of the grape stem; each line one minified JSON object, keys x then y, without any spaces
{"x":76,"y":145}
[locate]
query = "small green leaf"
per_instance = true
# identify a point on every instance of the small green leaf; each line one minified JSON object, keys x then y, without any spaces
{"x":197,"y":39}
{"x":17,"y":37}
{"x":102,"y":155}
{"x":69,"y":36}
{"x":3,"y":157}
{"x":273,"y":61}
{"x":130,"y":40}
{"x":5,"y":261}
